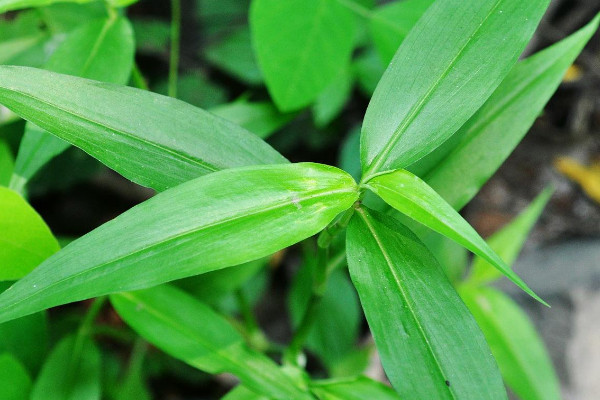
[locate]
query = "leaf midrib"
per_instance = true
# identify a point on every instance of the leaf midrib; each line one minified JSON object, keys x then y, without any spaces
{"x":409,"y":306}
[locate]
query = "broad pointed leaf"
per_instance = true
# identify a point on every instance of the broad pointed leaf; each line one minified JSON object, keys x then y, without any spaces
{"x":430,"y":346}
{"x":408,"y":194}
{"x":153,"y":140}
{"x":216,"y":221}
{"x":442,"y":73}
{"x":190,"y":331}
{"x":25,"y":240}
{"x":301,"y":46}
{"x":518,"y":349}
{"x":494,"y":131}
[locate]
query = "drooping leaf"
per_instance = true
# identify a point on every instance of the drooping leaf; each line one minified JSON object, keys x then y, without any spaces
{"x":154,"y":140}
{"x":508,"y":241}
{"x":25,"y":240}
{"x":494,"y":131}
{"x":360,"y":388}
{"x":441,"y":74}
{"x":301,"y":46}
{"x":10,"y":5}
{"x":16,"y":383}
{"x":260,"y":118}
{"x":429,"y":344}
{"x":517,"y":348}
{"x":411,"y":196}
{"x":390,"y":23}
{"x":203,"y":225}
{"x":190,"y":331}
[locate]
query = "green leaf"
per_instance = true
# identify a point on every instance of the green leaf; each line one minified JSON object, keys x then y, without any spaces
{"x":242,"y":393}
{"x":153,"y":140}
{"x":508,"y":241}
{"x":430,"y":346}
{"x":332,"y":100}
{"x":190,"y":331}
{"x":102,"y":50}
{"x":7,"y":163}
{"x":133,"y":386}
{"x":234,"y":55}
{"x":441,"y":74}
{"x":359,"y":388}
{"x":25,"y":240}
{"x":10,"y":5}
{"x":260,"y":118}
{"x":408,"y":194}
{"x":16,"y":383}
{"x":301,"y":46}
{"x":494,"y":131}
{"x":390,"y":23}
{"x":71,"y":372}
{"x":195,"y":88}
{"x":62,"y":18}
{"x":27,"y":339}
{"x":200,"y":226}
{"x":11,"y":50}
{"x":516,"y":346}
{"x":368,"y":69}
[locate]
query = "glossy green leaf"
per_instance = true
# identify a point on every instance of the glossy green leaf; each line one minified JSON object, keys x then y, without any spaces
{"x":508,"y":241}
{"x":190,"y":331}
{"x":411,"y":196}
{"x":242,"y":393}
{"x":153,"y":140}
{"x":390,"y":23}
{"x":494,"y":131}
{"x":7,"y":163}
{"x":517,"y":348}
{"x":441,"y":74}
{"x":260,"y":118}
{"x":332,"y":100}
{"x":301,"y":46}
{"x":359,"y":388}
{"x":25,"y":240}
{"x":15,"y":383}
{"x":235,"y":56}
{"x":430,"y":346}
{"x":202,"y":225}
{"x":71,"y":372}
{"x":10,"y":5}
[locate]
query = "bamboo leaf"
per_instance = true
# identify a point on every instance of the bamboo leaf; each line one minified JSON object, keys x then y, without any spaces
{"x":301,"y":46}
{"x":153,"y":140}
{"x":408,"y":194}
{"x":25,"y":240}
{"x":190,"y":331}
{"x":429,"y":344}
{"x":518,"y":349}
{"x":441,"y":75}
{"x":203,"y":225}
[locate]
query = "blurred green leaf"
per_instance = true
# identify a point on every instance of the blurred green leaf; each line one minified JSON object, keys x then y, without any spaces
{"x":494,"y":131}
{"x":390,"y":23}
{"x":71,"y":372}
{"x":411,"y":196}
{"x":408,"y":118}
{"x":194,"y":88}
{"x":133,"y":386}
{"x":350,"y":154}
{"x":516,"y":346}
{"x":10,"y":5}
{"x":16,"y":383}
{"x":25,"y":240}
{"x":429,"y":344}
{"x":63,"y":17}
{"x":187,"y":329}
{"x":151,"y":35}
{"x":301,"y":46}
{"x":154,"y":140}
{"x":27,"y":339}
{"x":453,"y":257}
{"x":242,"y":393}
{"x":200,"y":226}
{"x":332,"y":100}
{"x":359,"y":388}
{"x":508,"y":241}
{"x":368,"y":69}
{"x":7,"y":163}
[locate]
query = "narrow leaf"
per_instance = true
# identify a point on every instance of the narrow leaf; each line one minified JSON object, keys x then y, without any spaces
{"x":203,"y":225}
{"x":71,"y":372}
{"x":408,"y":194}
{"x":430,"y":346}
{"x":25,"y":240}
{"x":508,"y":241}
{"x":190,"y":331}
{"x":359,"y":388}
{"x":441,"y":74}
{"x":15,"y":381}
{"x":153,"y":140}
{"x":518,"y":349}
{"x":301,"y":46}
{"x":494,"y":131}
